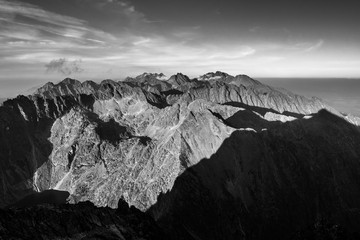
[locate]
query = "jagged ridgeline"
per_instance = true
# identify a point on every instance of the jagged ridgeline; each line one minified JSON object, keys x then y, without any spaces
{"x":215,"y":157}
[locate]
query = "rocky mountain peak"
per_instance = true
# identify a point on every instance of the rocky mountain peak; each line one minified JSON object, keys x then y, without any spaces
{"x":64,"y":87}
{"x":244,"y":80}
{"x":144,"y":76}
{"x":181,"y":76}
{"x":107,"y":81}
{"x":222,"y":77}
{"x":89,"y":84}
{"x":178,"y":79}
{"x":48,"y":85}
{"x":214,"y":76}
{"x":69,"y":81}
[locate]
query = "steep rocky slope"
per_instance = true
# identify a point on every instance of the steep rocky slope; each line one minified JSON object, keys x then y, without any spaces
{"x":230,"y":144}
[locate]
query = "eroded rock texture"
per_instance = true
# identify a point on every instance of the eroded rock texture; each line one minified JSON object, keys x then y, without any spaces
{"x":219,"y":150}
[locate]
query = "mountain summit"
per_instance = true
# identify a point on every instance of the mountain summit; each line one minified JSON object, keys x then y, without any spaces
{"x":214,"y":76}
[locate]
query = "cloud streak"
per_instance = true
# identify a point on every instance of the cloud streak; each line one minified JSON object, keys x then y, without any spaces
{"x":27,"y":22}
{"x":12,"y":8}
{"x":315,"y":46}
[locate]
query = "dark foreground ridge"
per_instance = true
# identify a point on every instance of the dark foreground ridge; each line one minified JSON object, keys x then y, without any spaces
{"x":296,"y":180}
{"x":78,"y":221}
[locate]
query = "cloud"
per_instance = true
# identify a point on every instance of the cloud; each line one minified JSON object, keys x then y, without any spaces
{"x":308,"y":46}
{"x":117,"y":10}
{"x":34,"y":36}
{"x":22,"y":21}
{"x":64,"y":66}
{"x":315,"y":46}
{"x":141,"y":41}
{"x":13,"y":8}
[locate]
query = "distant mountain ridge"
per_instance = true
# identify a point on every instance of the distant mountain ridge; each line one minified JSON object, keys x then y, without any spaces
{"x":158,"y":142}
{"x":153,"y":83}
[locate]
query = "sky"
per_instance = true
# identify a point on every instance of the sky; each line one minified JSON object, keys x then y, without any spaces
{"x":48,"y":40}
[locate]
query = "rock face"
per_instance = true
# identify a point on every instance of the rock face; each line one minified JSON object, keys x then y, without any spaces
{"x":151,"y":82}
{"x":197,"y":153}
{"x":79,"y":221}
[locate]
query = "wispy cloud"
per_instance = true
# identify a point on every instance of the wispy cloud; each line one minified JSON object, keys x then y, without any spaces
{"x":308,"y":46}
{"x":315,"y":46}
{"x":31,"y":34}
{"x":12,"y":8}
{"x":117,"y":10}
{"x":64,"y":66}
{"x":29,"y":23}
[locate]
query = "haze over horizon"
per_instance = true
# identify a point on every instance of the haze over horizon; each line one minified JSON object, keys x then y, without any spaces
{"x":43,"y":40}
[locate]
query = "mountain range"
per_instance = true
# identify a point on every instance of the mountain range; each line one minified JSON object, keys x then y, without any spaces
{"x":214,"y":157}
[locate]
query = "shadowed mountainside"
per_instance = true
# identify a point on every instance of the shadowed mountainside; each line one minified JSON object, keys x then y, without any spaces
{"x":45,"y":197}
{"x":270,"y":184}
